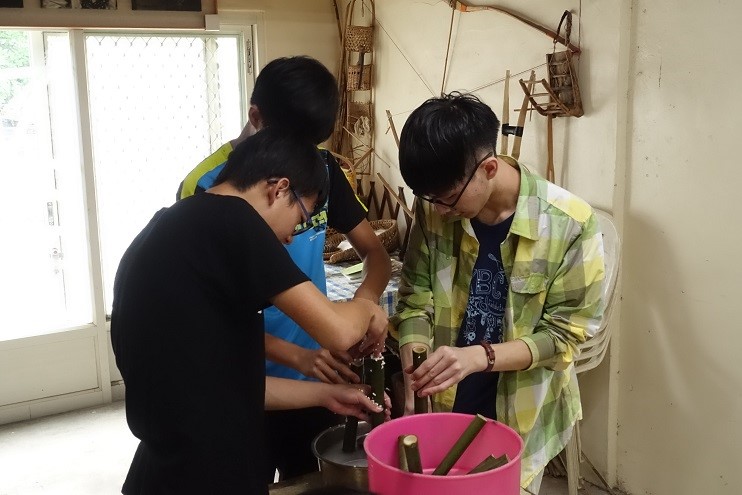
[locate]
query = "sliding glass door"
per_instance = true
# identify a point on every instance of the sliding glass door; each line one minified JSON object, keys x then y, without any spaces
{"x":96,"y":131}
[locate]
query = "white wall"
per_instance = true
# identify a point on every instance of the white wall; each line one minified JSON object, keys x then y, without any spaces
{"x":294,"y":27}
{"x":680,"y":407}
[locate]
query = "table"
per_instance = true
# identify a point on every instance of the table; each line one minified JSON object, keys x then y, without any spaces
{"x":341,"y":288}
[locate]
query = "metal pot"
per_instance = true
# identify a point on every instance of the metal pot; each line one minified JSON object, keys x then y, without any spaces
{"x":339,"y":468}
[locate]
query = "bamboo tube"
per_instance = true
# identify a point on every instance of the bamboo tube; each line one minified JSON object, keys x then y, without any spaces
{"x":412,"y":454}
{"x":419,"y":354}
{"x":505,"y":114}
{"x":376,"y":380}
{"x":489,"y":463}
{"x":351,"y":422}
{"x":461,"y":445}
{"x":401,"y":454}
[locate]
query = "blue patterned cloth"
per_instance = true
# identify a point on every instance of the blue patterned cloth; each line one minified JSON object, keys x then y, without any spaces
{"x":341,"y":288}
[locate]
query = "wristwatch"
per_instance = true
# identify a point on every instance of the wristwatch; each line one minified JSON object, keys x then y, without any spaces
{"x":490,"y":354}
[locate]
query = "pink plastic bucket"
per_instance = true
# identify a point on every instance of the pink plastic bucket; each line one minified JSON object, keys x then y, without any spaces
{"x":436,"y":433}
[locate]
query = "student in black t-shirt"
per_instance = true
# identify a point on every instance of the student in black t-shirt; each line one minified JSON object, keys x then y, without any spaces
{"x":187,"y":327}
{"x":300,"y":94}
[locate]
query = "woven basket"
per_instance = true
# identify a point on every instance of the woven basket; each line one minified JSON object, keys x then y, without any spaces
{"x":562,"y":76}
{"x":359,"y":38}
{"x":354,"y":74}
{"x":386,"y":230}
{"x":357,"y":110}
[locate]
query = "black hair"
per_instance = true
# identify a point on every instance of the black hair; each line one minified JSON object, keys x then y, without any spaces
{"x":276,"y":153}
{"x":299,"y":94}
{"x":440,"y":139}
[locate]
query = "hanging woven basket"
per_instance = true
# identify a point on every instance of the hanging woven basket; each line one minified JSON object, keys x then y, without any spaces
{"x":359,"y":38}
{"x":562,"y":76}
{"x":359,"y":78}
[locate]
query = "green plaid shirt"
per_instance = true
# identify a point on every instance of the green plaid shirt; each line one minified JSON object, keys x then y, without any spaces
{"x":553,"y":259}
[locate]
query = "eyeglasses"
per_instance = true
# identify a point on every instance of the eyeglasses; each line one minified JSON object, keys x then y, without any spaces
{"x":436,"y":201}
{"x":302,"y":227}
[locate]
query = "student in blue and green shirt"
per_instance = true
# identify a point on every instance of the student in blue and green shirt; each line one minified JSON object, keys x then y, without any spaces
{"x":502,"y":279}
{"x":300,"y":95}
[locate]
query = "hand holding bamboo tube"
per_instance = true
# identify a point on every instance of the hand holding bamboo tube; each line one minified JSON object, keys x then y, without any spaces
{"x":461,"y":445}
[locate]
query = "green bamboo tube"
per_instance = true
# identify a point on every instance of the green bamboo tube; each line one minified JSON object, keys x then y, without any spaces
{"x":412,"y":454}
{"x":419,"y":354}
{"x":401,"y":454}
{"x":489,"y":463}
{"x":376,"y":380}
{"x":461,"y":445}
{"x":351,"y":422}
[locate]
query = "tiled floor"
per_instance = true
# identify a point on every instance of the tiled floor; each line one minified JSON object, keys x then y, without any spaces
{"x":88,"y":452}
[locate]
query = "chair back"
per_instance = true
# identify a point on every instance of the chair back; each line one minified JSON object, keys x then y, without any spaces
{"x":593,"y":350}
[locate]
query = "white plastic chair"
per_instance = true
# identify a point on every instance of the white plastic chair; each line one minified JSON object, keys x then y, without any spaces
{"x":594,"y":349}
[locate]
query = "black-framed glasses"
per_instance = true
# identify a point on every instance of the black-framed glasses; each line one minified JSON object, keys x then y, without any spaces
{"x":302,"y":227}
{"x":437,"y":201}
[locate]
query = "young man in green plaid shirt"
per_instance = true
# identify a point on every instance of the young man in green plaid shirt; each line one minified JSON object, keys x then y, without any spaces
{"x":502,"y":281}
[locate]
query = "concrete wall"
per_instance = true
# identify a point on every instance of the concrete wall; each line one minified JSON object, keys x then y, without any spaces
{"x":680,"y":406}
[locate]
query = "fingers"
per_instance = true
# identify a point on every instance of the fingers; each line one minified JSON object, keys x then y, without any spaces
{"x":441,"y":370}
{"x":387,"y":401}
{"x":327,"y":368}
{"x":352,"y":400}
{"x":341,"y":363}
{"x":342,"y":356}
{"x":341,"y":371}
{"x":377,"y":328}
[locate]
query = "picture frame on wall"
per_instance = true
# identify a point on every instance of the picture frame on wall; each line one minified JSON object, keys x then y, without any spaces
{"x":11,"y":4}
{"x":79,"y":4}
{"x":177,"y":5}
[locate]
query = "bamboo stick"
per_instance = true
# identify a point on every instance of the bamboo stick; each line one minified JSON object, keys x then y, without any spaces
{"x":419,"y":354}
{"x":461,"y":445}
{"x":465,"y":7}
{"x":396,"y":198}
{"x":489,"y":463}
{"x":412,"y":454}
{"x":505,"y":114}
{"x":376,"y":380}
{"x":350,"y":434}
{"x":401,"y":454}
{"x":550,"y":149}
{"x":391,"y":126}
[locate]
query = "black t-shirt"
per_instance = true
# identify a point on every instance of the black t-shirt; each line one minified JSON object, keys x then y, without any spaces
{"x":344,"y":210}
{"x":188,"y":337}
{"x":484,"y":316}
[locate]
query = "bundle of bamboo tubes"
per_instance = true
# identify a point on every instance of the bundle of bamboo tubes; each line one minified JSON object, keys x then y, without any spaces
{"x":408,"y":452}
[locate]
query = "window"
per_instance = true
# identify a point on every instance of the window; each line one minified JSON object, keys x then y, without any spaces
{"x":96,"y":131}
